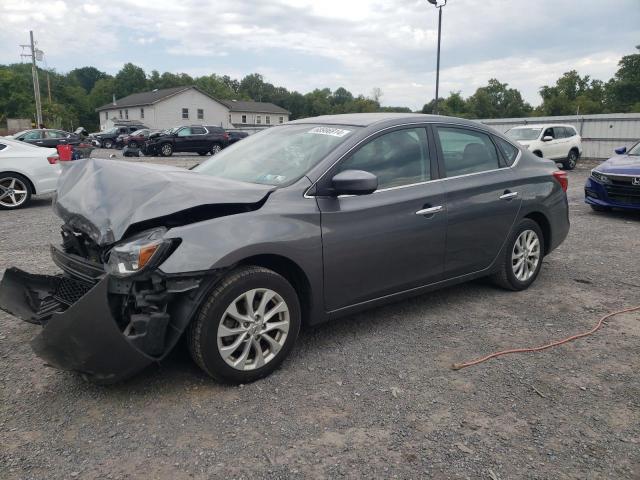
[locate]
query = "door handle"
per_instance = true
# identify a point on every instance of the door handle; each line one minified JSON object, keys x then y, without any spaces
{"x":508,"y":195}
{"x":430,"y":210}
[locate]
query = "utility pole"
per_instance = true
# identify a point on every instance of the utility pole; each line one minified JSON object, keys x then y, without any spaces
{"x":36,"y":81}
{"x":438,"y":4}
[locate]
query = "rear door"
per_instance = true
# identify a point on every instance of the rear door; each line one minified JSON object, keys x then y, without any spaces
{"x":482,"y":202}
{"x":53,"y":138}
{"x":392,"y":240}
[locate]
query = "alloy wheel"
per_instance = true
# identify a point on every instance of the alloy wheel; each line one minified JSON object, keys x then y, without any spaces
{"x":13,"y":192}
{"x":573,"y":160}
{"x":167,"y":150}
{"x":215,"y":149}
{"x":525,"y":256}
{"x":253,"y":329}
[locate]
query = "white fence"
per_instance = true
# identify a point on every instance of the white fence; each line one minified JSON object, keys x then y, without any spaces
{"x":600,"y":133}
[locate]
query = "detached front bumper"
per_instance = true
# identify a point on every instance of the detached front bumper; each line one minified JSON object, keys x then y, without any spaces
{"x":103,"y":327}
{"x":84,"y":337}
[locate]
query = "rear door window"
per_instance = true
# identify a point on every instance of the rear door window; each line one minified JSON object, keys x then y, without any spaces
{"x":397,"y":158}
{"x":466,"y":151}
{"x":198,"y":131}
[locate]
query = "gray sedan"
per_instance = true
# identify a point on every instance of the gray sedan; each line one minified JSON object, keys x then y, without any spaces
{"x":298,"y":224}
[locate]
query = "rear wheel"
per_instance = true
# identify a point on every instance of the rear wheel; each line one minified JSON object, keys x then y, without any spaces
{"x":108,"y":143}
{"x":246,"y":327}
{"x":571,"y":161}
{"x":522,"y":258}
{"x":15,"y":191}
{"x":166,"y":150}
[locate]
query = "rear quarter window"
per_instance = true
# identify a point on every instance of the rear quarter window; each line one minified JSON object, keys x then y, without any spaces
{"x":509,"y":152}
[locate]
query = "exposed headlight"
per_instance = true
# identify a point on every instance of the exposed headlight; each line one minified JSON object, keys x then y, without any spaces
{"x":147,"y":249}
{"x":600,"y":177}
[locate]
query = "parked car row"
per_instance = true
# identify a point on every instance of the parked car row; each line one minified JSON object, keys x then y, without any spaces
{"x":202,"y":139}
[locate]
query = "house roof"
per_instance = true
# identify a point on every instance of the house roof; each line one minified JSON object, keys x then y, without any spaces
{"x":143,"y":98}
{"x":258,"y":107}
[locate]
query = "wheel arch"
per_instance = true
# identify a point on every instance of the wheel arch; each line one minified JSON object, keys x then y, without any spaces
{"x":31,"y":185}
{"x":292,"y":272}
{"x":544,"y":224}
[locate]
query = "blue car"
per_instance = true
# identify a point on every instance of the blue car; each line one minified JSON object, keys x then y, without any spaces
{"x":616,"y":182}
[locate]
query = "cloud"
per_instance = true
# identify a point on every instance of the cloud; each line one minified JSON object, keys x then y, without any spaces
{"x":359,"y":44}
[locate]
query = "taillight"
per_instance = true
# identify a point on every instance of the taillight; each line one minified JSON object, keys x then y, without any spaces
{"x":53,"y":159}
{"x":226,"y":136}
{"x":562,"y":179}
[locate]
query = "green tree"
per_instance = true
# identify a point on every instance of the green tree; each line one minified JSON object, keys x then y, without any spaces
{"x":623,"y":90}
{"x":86,"y":77}
{"x":130,"y":79}
{"x":496,"y":100}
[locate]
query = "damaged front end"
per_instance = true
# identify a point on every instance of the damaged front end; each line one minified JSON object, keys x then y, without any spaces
{"x":111,"y":312}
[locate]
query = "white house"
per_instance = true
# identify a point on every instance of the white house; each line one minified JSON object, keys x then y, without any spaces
{"x":171,"y":107}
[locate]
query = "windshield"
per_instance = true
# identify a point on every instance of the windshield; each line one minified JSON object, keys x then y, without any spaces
{"x":278,"y":155}
{"x":520,"y":133}
{"x":635,"y":150}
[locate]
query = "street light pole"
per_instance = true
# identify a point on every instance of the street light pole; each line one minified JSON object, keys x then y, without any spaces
{"x":438,"y":4}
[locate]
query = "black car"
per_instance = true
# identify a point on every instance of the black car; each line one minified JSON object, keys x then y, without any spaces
{"x":202,"y":139}
{"x":295,"y":225}
{"x":107,"y":139}
{"x":47,"y":137}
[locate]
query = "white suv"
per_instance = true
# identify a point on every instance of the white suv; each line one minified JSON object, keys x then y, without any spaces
{"x":556,"y":142}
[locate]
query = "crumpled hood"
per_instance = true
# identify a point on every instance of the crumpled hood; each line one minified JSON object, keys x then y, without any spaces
{"x":103,"y":198}
{"x":621,"y":164}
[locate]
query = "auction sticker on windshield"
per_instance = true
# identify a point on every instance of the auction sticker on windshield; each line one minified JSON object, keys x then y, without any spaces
{"x":334,"y":132}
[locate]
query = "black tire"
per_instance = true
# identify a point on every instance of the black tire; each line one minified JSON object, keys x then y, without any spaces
{"x":571,"y":161}
{"x":216,"y":148}
{"x":166,"y":150}
{"x":505,"y":276}
{"x":133,"y":144}
{"x":598,"y":208}
{"x":202,"y":334}
{"x":538,"y":153}
{"x":19,"y":183}
{"x":202,"y":154}
{"x":108,"y":143}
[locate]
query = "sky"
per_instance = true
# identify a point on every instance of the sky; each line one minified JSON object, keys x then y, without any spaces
{"x":356,"y":44}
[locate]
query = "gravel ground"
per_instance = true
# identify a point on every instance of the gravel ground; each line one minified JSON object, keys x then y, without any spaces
{"x":370,"y":396}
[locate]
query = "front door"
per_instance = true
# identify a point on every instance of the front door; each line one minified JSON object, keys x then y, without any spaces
{"x":389,"y":241}
{"x":482,"y":202}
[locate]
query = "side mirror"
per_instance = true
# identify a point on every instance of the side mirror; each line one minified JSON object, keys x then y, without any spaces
{"x":547,"y":138}
{"x":354,"y":182}
{"x":621,"y":150}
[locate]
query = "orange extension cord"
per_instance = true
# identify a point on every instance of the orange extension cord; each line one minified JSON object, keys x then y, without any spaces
{"x":458,"y":366}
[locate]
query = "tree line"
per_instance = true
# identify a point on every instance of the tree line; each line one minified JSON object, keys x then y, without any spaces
{"x":70,"y":99}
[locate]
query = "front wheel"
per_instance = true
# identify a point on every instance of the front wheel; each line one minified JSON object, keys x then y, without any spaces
{"x":522,"y":258}
{"x":246,"y":327}
{"x":133,"y":144}
{"x":166,"y":150}
{"x":571,"y":161}
{"x":107,"y":143}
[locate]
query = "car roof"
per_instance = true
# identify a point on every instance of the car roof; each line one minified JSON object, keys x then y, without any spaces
{"x":543,"y":125}
{"x":389,"y":118}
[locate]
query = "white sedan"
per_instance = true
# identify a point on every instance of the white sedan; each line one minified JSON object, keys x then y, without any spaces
{"x":25,"y":170}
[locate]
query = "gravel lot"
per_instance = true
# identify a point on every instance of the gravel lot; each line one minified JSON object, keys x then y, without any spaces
{"x":371,"y":396}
